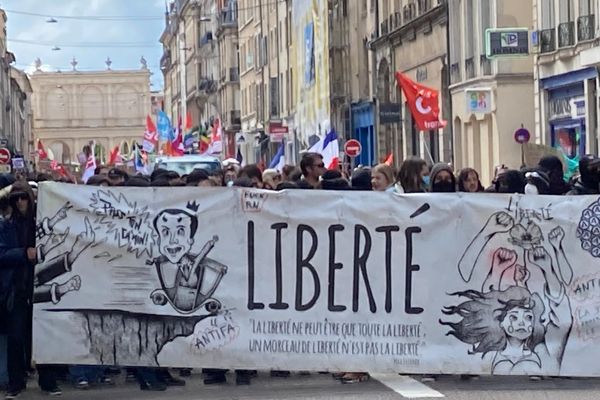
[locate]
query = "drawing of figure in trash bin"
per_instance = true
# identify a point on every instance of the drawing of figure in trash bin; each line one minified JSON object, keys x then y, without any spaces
{"x":187,"y":280}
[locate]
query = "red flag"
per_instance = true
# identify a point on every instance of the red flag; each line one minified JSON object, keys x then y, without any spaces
{"x":188,"y":122}
{"x":389,"y":159}
{"x":150,"y":127}
{"x":54,"y":165}
{"x":41,"y":150}
{"x":115,"y":155}
{"x":177,"y":145}
{"x":423,"y":103}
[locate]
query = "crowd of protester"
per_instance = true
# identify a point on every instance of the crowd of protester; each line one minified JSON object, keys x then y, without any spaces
{"x":18,"y":231}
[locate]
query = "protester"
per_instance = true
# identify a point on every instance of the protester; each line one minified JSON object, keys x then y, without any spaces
{"x":553,"y":167}
{"x":231,"y":173}
{"x":289,"y":171}
{"x":511,"y":182}
{"x":442,"y":179}
{"x":199,"y":177}
{"x":101,"y":170}
{"x":271,"y":178}
{"x":468,"y":181}
{"x":588,"y":182}
{"x":537,"y":182}
{"x":312,"y":167}
{"x":253,"y":173}
{"x":361,"y":179}
{"x":413,"y":176}
{"x":99,"y":180}
{"x":382,"y":178}
{"x":117,"y":177}
{"x":18,"y":255}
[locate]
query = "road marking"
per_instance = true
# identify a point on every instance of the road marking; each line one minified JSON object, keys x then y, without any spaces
{"x":406,"y":387}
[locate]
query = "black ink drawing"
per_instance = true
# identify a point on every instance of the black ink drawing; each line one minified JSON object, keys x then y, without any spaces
{"x":520,"y":312}
{"x":589,"y":229}
{"x":47,"y":270}
{"x":187,"y":280}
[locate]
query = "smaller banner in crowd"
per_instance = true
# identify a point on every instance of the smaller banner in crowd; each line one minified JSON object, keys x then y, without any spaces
{"x":339,"y":281}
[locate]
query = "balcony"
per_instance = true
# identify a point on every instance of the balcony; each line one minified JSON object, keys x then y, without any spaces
{"x":566,"y":34}
{"x":227,"y":18}
{"x":207,"y":86}
{"x":547,"y":41}
{"x":585,"y":27}
{"x":384,"y":28}
{"x":485,"y":65}
{"x":455,"y":73}
{"x":206,"y":39}
{"x":469,"y":68}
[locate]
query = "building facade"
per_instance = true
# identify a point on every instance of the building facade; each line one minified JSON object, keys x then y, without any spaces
{"x":228,"y":94}
{"x":566,"y":77}
{"x":72,"y":109}
{"x":15,"y":98}
{"x":491,"y":98}
{"x":411,"y":37}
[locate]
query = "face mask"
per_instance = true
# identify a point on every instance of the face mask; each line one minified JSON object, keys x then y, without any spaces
{"x":427,"y":180}
{"x":443,"y":187}
{"x":230,"y":184}
{"x":531,"y":189}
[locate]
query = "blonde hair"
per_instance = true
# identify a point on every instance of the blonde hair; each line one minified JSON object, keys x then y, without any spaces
{"x":386,"y":170}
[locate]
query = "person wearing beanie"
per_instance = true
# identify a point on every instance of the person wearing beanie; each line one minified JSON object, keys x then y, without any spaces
{"x":442,"y":179}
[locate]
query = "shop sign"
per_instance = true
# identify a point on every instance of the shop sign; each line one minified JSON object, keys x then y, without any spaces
{"x":479,"y":100}
{"x":566,"y":107}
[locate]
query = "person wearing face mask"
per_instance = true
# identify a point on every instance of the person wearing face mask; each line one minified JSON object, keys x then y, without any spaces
{"x":538,"y":182}
{"x":442,"y":179}
{"x":510,"y":182}
{"x":589,"y":180}
{"x":413,"y":176}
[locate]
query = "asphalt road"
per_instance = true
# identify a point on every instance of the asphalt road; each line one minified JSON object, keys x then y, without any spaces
{"x":314,"y":386}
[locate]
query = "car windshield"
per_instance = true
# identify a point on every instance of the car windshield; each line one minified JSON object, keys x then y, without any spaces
{"x":184,"y":168}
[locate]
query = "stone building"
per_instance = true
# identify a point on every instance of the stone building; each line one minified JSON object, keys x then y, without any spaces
{"x":15,"y":102}
{"x":71,"y":109}
{"x":566,"y":76}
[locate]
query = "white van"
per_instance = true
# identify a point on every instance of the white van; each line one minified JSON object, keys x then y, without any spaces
{"x":185,"y":164}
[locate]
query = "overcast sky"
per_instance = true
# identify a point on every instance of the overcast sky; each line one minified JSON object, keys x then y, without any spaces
{"x":92,"y":40}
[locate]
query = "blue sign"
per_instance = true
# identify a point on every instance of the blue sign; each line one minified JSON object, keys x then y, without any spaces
{"x":164,"y":127}
{"x":309,"y":54}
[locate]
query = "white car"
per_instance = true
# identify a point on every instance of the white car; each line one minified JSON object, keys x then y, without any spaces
{"x":185,"y":164}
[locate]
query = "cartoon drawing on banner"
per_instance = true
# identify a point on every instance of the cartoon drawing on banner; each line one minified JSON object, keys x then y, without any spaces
{"x":520,"y":314}
{"x":589,"y":229}
{"x":47,"y":270}
{"x":187,"y":280}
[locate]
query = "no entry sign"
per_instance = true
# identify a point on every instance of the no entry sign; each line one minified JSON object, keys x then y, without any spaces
{"x":352,"y":148}
{"x":522,"y":136}
{"x":4,"y":155}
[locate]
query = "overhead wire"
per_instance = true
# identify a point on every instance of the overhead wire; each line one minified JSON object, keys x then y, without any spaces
{"x":129,"y":18}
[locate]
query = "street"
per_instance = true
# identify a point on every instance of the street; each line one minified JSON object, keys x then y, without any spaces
{"x":317,"y":386}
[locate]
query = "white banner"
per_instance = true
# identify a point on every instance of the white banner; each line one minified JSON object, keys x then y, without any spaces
{"x":339,"y":281}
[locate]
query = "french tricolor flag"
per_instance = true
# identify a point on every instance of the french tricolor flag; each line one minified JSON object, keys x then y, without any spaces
{"x":329,"y":148}
{"x":278,"y":160}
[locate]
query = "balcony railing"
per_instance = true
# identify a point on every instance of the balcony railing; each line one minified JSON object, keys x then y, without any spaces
{"x":566,"y":34}
{"x":455,"y":73}
{"x":208,"y":85}
{"x":469,"y":68}
{"x":585,"y":27}
{"x":485,"y":65}
{"x":384,"y":28}
{"x":547,"y":40}
{"x":207,"y":38}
